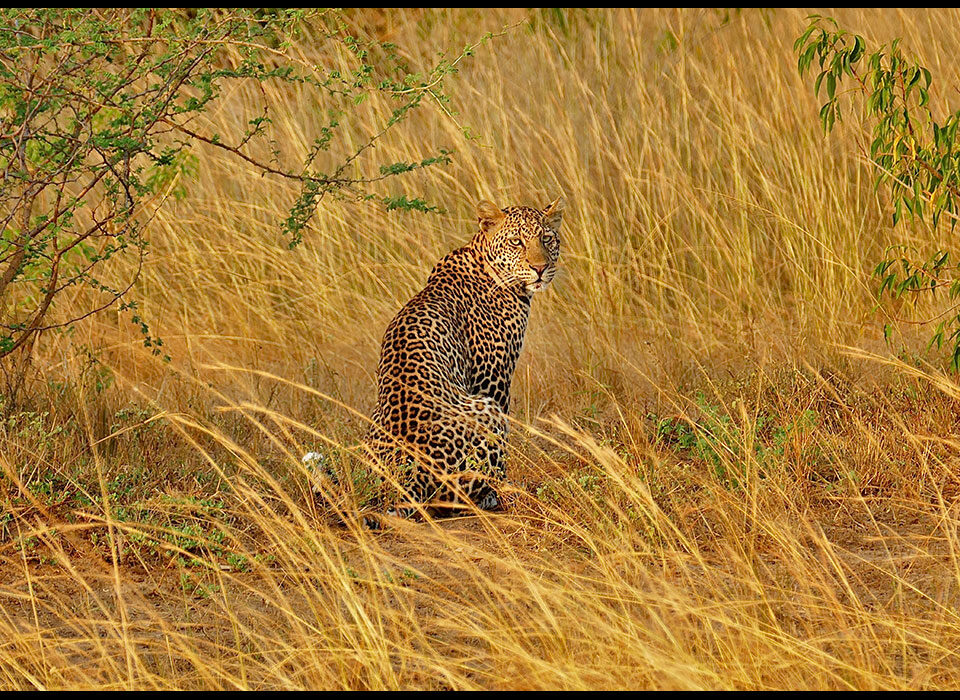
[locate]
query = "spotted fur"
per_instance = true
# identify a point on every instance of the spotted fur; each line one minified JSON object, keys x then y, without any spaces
{"x":448,"y":358}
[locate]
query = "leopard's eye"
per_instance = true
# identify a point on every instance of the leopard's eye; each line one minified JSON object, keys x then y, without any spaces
{"x":516,"y":242}
{"x":547,"y":236}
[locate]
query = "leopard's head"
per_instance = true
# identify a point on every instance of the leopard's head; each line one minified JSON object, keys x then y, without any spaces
{"x":522,"y":244}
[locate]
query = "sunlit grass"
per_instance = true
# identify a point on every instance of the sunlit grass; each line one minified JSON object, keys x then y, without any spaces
{"x":720,"y":477}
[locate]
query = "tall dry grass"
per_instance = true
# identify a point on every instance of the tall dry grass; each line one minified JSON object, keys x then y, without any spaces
{"x":718,"y":479}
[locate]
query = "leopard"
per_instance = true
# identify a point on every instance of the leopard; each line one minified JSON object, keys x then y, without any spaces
{"x":448,"y":358}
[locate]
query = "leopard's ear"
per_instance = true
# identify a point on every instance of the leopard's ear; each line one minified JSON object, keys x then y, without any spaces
{"x":489,"y":215}
{"x":553,"y":214}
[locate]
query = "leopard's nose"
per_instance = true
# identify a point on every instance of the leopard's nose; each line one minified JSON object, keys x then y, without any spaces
{"x":539,"y":269}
